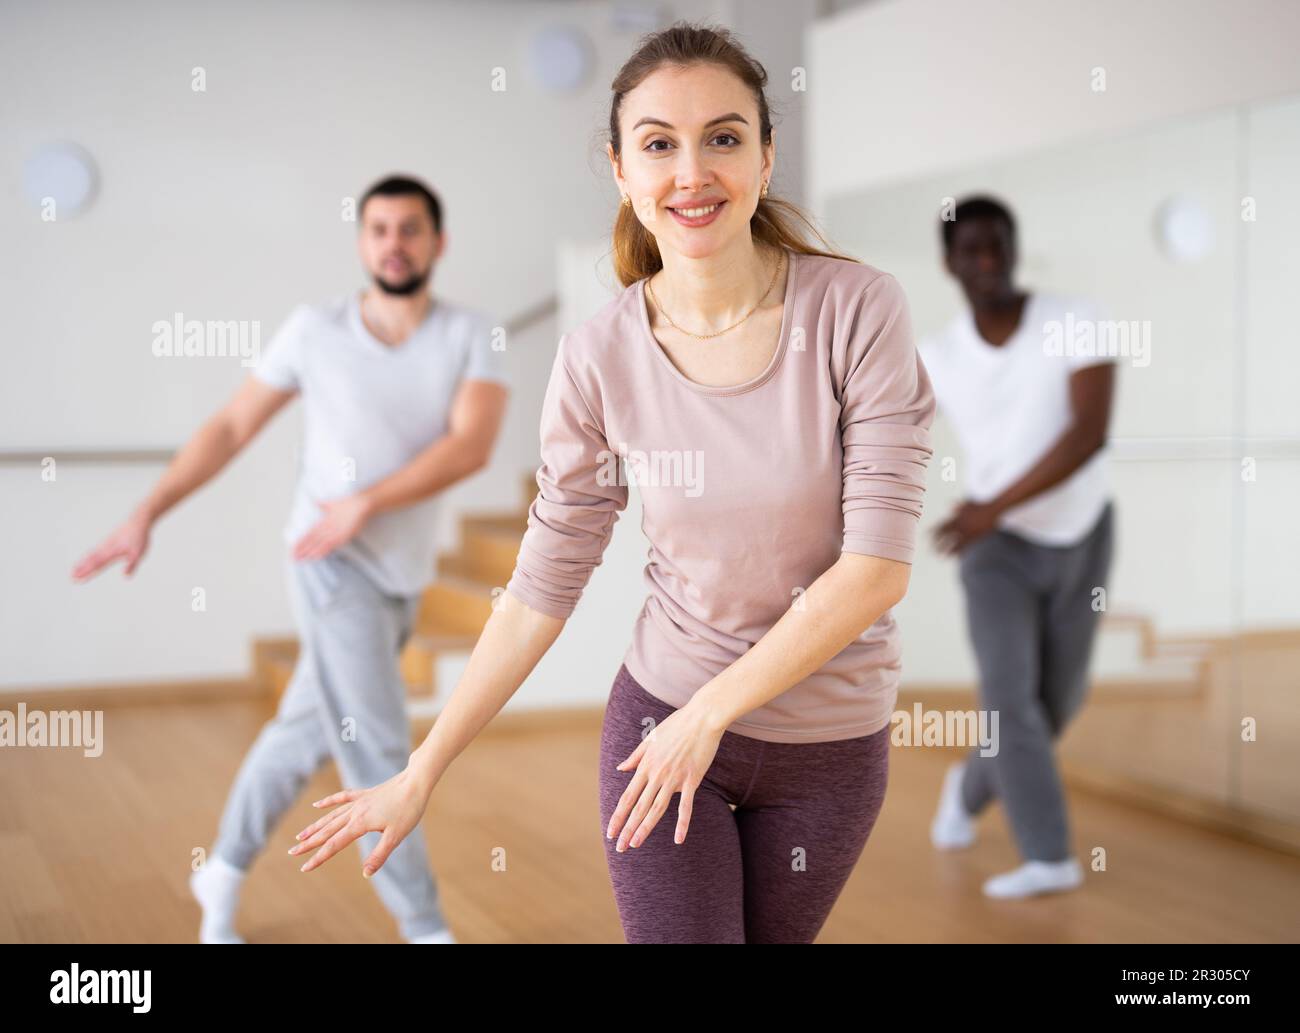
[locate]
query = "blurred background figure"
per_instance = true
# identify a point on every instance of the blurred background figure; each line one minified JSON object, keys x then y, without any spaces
{"x":1035,"y":535}
{"x":403,"y":396}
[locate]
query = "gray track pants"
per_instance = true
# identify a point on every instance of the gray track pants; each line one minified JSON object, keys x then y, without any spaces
{"x":1029,"y":610}
{"x":346,"y":700}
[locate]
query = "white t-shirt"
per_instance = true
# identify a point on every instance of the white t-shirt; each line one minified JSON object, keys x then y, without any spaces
{"x":1009,"y":405}
{"x":369,"y":409}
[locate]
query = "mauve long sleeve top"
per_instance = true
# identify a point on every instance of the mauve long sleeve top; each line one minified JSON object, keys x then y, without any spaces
{"x":749,"y":492}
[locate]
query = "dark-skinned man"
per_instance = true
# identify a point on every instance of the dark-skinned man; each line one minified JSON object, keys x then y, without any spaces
{"x":1024,"y":379}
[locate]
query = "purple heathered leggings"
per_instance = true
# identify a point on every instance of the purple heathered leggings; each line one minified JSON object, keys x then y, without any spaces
{"x":770,"y":871}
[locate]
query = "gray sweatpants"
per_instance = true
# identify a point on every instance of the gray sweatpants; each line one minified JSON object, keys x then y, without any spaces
{"x":1029,"y":610}
{"x":346,"y":700}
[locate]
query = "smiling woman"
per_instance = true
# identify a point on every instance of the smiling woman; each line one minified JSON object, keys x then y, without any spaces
{"x":691,"y":135}
{"x":756,"y":692}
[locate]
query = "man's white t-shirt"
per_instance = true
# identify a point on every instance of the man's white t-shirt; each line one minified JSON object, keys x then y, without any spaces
{"x":1010,"y":404}
{"x":369,"y":409}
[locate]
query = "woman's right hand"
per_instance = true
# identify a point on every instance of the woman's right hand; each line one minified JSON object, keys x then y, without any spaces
{"x":392,"y":808}
{"x":129,"y":542}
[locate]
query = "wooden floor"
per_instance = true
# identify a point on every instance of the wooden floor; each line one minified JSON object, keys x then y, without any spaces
{"x":98,"y":850}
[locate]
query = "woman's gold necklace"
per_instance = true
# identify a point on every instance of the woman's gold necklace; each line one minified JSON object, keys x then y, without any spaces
{"x":718,"y":332}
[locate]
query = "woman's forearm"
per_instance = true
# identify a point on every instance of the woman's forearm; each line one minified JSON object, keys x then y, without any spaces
{"x":838,"y":607}
{"x":514,"y":639}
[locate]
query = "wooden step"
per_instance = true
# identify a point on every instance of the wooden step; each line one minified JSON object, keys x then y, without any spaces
{"x":1157,"y":665}
{"x":489,"y":553}
{"x":530,"y":488}
{"x":455,"y":566}
{"x":456,"y":604}
{"x":501,"y":522}
{"x":419,"y":660}
{"x":277,"y":672}
{"x":1132,"y":622}
{"x":1146,"y":687}
{"x":275,"y":659}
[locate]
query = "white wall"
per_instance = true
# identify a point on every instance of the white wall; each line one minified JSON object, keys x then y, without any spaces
{"x":905,"y":87}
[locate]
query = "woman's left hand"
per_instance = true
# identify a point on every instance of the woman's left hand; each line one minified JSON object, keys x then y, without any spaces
{"x":671,"y":759}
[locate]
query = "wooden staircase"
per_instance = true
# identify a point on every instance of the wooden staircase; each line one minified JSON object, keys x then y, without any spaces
{"x":1173,"y":740}
{"x":1131,"y":660}
{"x":1161,"y":726}
{"x":452,"y":612}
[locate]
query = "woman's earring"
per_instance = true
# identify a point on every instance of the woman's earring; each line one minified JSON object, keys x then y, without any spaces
{"x":764,"y":194}
{"x":627,"y":201}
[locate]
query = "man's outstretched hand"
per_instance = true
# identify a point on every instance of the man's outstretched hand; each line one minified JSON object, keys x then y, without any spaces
{"x":129,"y":542}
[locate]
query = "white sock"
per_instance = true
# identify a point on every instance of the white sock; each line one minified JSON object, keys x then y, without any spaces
{"x":441,"y":936}
{"x":953,"y":827}
{"x":1034,"y":877}
{"x":216,"y":887}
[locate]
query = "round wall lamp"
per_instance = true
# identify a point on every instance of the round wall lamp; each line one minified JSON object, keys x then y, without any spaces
{"x":560,"y":57}
{"x":64,"y":173}
{"x":1184,"y":229}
